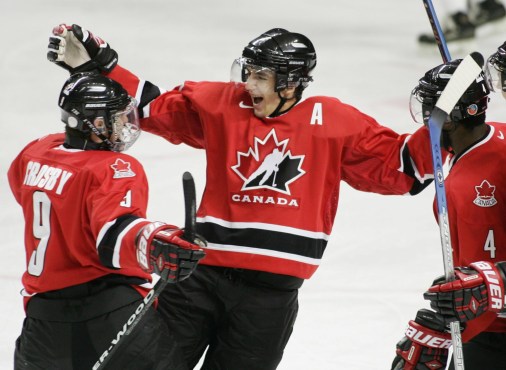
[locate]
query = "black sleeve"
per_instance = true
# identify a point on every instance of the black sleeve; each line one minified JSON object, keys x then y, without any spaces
{"x":106,"y":246}
{"x":149,"y":93}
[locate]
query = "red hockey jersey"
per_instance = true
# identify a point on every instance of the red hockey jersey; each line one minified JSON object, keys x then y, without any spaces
{"x":272,"y":186}
{"x":70,"y":199}
{"x":476,"y":196}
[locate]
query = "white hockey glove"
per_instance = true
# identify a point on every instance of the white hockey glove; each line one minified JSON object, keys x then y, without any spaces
{"x":78,"y":50}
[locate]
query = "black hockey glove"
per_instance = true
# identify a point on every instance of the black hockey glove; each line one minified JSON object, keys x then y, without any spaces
{"x":425,"y":345}
{"x":78,"y":50}
{"x":476,"y":289}
{"x":161,"y":249}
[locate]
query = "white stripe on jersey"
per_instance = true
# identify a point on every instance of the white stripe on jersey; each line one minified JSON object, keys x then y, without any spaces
{"x":264,"y":226}
{"x":264,"y":252}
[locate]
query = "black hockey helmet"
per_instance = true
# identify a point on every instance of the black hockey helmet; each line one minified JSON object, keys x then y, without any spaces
{"x":290,"y":55}
{"x":425,"y":95}
{"x":88,"y":96}
{"x":495,"y":69}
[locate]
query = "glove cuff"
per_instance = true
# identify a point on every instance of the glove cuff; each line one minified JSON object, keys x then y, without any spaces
{"x":144,"y":240}
{"x":495,"y":284}
{"x":427,"y":337}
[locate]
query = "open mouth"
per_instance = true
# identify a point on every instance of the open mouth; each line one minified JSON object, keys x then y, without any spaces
{"x":257,"y":100}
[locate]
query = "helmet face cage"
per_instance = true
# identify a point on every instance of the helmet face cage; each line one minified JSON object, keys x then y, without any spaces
{"x":92,"y":103}
{"x":125,"y":129}
{"x":495,"y":72}
{"x":425,"y":95}
{"x":290,"y":56}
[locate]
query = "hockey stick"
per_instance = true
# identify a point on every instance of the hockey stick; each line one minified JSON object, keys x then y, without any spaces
{"x":436,"y":121}
{"x":437,"y":31}
{"x":467,"y":71}
{"x":189,"y":234}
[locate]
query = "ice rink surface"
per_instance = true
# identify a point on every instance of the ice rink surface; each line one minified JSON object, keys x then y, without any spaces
{"x":384,"y":251}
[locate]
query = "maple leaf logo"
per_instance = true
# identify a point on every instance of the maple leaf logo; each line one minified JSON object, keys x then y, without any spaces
{"x":269,"y":165}
{"x":121,"y":169}
{"x":485,"y":190}
{"x":485,"y":194}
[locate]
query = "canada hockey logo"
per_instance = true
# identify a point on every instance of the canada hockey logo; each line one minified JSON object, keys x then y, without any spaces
{"x":269,"y":165}
{"x":485,"y":195}
{"x":122,"y":169}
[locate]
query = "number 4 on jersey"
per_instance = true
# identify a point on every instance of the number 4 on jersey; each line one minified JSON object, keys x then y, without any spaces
{"x":490,"y":244}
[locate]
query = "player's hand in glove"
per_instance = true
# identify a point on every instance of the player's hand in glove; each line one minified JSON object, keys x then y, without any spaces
{"x":476,"y":289}
{"x":425,"y":345}
{"x":78,"y":50}
{"x":161,"y":249}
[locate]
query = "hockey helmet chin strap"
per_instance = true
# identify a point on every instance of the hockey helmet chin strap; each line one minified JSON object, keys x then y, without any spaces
{"x":282,"y":102}
{"x":105,"y":140}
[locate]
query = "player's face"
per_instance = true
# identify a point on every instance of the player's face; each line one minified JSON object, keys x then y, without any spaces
{"x":260,"y":86}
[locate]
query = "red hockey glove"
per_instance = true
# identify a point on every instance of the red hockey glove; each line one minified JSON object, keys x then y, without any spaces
{"x":425,"y":345}
{"x":161,"y":249}
{"x":78,"y":50}
{"x":477,"y":289}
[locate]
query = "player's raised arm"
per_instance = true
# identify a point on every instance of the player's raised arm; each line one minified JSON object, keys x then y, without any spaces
{"x":78,"y":50}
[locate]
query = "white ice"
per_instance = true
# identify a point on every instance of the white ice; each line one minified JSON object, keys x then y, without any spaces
{"x":384,"y":251}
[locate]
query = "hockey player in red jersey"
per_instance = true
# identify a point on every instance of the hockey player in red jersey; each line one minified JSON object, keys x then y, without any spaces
{"x":274,"y":166}
{"x":476,"y":195}
{"x":88,"y":268}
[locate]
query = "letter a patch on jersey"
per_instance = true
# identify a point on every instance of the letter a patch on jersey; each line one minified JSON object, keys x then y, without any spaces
{"x":122,"y":169}
{"x":485,"y":195}
{"x":269,"y":165}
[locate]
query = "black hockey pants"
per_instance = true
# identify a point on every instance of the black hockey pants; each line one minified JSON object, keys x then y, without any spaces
{"x":59,"y":334}
{"x":486,"y":351}
{"x":244,"y":323}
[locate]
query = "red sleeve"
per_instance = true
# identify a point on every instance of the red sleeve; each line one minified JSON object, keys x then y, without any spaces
{"x":377,"y":159}
{"x":117,"y":211}
{"x":169,"y":114}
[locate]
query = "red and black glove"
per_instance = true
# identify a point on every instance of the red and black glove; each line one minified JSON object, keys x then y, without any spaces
{"x":425,"y":345}
{"x":476,"y":289}
{"x":161,"y":249}
{"x":78,"y":50}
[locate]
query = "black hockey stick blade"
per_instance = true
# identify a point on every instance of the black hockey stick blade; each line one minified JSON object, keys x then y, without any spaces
{"x":190,"y":205}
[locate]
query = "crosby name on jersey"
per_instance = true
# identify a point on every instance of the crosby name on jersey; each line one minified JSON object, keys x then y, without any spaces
{"x":111,"y":190}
